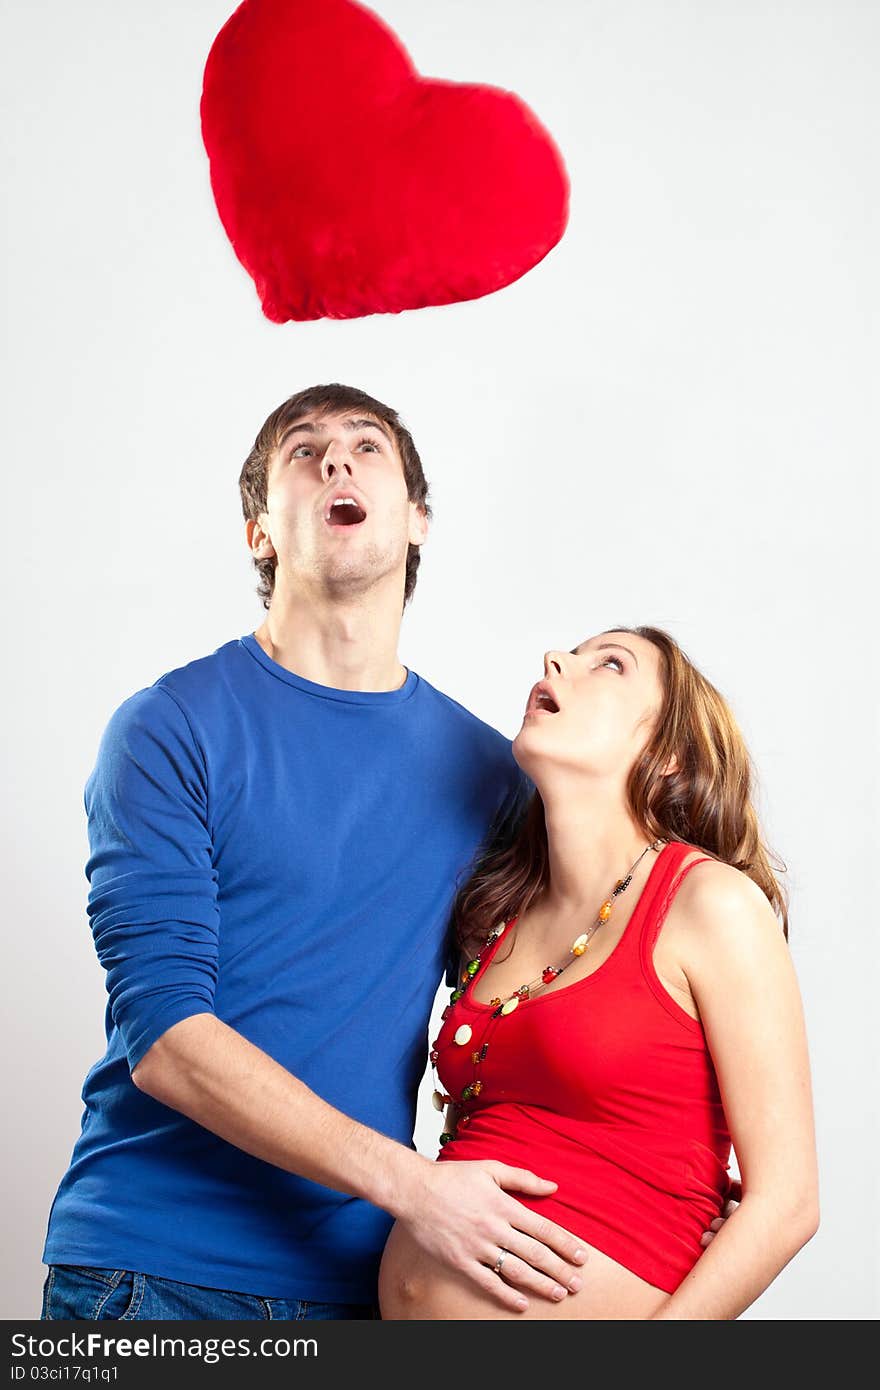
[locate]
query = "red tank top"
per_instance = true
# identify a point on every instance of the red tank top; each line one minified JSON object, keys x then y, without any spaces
{"x":607,"y":1087}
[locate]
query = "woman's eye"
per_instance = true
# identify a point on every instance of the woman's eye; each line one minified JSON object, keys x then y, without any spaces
{"x":613,"y":660}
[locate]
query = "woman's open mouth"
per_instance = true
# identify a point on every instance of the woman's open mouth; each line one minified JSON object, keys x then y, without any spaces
{"x":542,"y":701}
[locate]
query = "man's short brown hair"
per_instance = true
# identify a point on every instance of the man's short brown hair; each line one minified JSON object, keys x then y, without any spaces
{"x":333,"y":397}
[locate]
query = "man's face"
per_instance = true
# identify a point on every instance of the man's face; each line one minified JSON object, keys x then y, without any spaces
{"x":337,"y":512}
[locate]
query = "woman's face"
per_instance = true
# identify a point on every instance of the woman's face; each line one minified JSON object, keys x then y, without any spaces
{"x":595,"y":710}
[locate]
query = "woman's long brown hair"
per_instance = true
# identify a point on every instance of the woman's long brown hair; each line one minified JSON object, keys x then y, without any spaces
{"x":706,"y":802}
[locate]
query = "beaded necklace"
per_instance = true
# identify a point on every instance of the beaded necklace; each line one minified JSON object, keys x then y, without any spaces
{"x":502,"y":1008}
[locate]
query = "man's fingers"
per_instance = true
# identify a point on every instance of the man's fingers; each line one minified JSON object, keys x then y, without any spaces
{"x":554,"y":1240}
{"x":551,"y":1271}
{"x":521,"y":1180}
{"x":526,"y":1276}
{"x":714,"y":1225}
{"x":496,"y":1288}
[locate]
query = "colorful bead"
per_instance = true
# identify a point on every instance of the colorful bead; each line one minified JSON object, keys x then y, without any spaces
{"x":467,"y":1093}
{"x":606,"y":910}
{"x":483,"y":1050}
{"x":475,"y":1058}
{"x":510,"y":1005}
{"x":580,"y":945}
{"x":445,"y":1137}
{"x":472,"y":967}
{"x":438,"y":1101}
{"x":549,"y":974}
{"x":434,"y":1055}
{"x":523,"y":991}
{"x":494,"y":1003}
{"x":455,"y":996}
{"x":476,"y":1088}
{"x":463,"y":1034}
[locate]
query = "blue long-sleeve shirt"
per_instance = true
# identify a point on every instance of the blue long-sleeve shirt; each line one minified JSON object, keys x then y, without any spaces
{"x":284,"y":856}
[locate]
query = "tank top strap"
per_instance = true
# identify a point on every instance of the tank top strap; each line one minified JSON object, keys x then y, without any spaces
{"x":667,"y":881}
{"x":487,"y":952}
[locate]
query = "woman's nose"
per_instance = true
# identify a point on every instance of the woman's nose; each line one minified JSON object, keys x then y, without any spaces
{"x":553,"y":664}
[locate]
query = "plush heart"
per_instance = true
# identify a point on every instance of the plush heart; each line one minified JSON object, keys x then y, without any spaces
{"x":349,"y":185}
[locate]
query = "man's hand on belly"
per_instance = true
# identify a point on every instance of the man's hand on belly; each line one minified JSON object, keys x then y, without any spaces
{"x":462,"y":1215}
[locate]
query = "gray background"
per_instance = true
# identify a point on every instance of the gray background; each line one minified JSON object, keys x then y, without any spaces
{"x":666,"y":421}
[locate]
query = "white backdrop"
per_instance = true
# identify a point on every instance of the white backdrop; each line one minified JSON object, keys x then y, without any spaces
{"x":665,"y":422}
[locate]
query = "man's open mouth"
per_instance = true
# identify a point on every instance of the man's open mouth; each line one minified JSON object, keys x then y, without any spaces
{"x":344,"y":511}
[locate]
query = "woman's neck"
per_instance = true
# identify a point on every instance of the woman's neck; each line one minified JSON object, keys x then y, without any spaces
{"x":592,"y":842}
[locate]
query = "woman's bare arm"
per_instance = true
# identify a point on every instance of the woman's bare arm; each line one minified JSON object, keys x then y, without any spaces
{"x":740,"y":971}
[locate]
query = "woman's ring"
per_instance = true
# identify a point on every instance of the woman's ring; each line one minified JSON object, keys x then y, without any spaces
{"x":496,"y":1269}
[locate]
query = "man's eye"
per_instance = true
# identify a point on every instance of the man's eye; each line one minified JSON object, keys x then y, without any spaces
{"x":371,"y":442}
{"x":297,"y":453}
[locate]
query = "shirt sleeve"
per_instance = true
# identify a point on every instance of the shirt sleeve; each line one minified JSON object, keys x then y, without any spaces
{"x":514,"y":802}
{"x":452,"y":959}
{"x":152,"y":899}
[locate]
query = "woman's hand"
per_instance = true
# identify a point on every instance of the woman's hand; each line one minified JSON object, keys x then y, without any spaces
{"x":462,"y":1215}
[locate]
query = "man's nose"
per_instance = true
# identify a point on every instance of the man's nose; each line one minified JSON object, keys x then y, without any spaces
{"x":335,"y":460}
{"x":554,"y":664}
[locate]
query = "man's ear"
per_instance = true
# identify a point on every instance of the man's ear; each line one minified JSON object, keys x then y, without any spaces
{"x":418,"y":524}
{"x":258,"y":540}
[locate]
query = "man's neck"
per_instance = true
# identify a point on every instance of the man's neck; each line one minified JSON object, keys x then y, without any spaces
{"x":347,"y":646}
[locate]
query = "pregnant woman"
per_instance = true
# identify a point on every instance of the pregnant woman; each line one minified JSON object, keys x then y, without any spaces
{"x":627,"y":1008}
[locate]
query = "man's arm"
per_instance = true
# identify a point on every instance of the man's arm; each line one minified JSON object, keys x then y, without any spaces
{"x":460,"y":1212}
{"x":155,"y":920}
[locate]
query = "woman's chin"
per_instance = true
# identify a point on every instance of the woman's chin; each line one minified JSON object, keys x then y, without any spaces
{"x":529,"y":747}
{"x":524,"y":740}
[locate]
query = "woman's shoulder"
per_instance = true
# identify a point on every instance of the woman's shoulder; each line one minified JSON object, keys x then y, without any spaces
{"x":711,"y":880}
{"x":718,"y":907}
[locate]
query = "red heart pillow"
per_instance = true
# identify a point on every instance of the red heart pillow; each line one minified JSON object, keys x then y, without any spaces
{"x":348,"y":184}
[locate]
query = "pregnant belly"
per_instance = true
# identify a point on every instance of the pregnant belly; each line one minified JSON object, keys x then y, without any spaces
{"x":628,"y":1198}
{"x":413,"y":1285}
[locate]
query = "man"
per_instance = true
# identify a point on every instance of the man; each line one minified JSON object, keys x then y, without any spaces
{"x":276,"y":832}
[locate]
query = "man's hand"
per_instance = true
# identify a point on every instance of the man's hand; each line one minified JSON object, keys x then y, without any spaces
{"x":734,"y":1198}
{"x":461,"y":1214}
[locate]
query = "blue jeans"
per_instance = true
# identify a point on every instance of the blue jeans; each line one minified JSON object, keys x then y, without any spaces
{"x":72,"y":1291}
